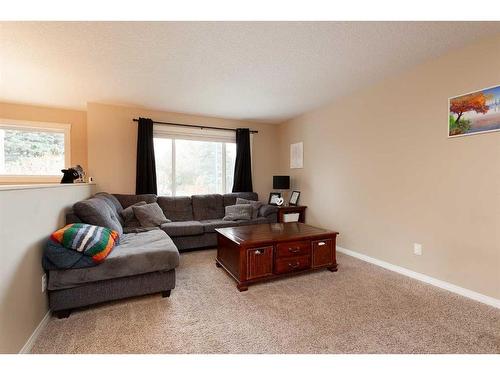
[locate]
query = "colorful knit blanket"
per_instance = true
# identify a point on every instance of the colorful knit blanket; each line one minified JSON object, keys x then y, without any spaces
{"x":78,"y":245}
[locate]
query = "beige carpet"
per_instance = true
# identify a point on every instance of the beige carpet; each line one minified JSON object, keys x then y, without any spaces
{"x":360,"y":309}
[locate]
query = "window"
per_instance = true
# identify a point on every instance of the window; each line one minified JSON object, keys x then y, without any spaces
{"x":33,"y":151}
{"x":189,"y":163}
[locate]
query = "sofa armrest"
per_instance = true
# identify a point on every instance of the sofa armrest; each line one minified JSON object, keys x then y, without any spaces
{"x":267,"y":210}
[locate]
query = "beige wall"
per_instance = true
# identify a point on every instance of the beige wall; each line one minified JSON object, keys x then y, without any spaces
{"x":379,"y":168}
{"x":22,"y":303}
{"x":112,"y":140}
{"x":77,"y":119}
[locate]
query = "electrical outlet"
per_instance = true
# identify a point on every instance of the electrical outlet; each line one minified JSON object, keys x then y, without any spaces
{"x":44,"y":282}
{"x":417,"y":249}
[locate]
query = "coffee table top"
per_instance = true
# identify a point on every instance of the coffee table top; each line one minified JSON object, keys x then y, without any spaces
{"x":277,"y":232}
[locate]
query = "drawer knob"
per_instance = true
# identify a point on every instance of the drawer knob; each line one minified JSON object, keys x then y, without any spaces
{"x":293,"y":266}
{"x":321,"y":243}
{"x":258,"y":252}
{"x":293,"y":250}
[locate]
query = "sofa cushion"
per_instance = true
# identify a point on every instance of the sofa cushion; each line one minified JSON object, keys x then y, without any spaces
{"x":176,"y":208}
{"x":111,"y":200}
{"x":138,"y":253}
{"x":128,"y":216}
{"x":267,"y":210}
{"x":127,"y":200}
{"x":96,"y":211}
{"x":256,"y":205}
{"x":238,"y":212}
{"x":113,"y":203}
{"x":182,"y":228}
{"x":150,"y":215}
{"x":208,"y":206}
{"x":259,"y":220}
{"x":230,"y":198}
{"x":209,"y":226}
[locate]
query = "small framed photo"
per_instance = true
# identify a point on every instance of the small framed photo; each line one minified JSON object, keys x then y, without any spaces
{"x":274,"y":198}
{"x":294,"y":198}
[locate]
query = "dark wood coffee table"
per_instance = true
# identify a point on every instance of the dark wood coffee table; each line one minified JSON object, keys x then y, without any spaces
{"x":254,"y":253}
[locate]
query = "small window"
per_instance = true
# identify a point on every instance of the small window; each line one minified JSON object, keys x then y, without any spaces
{"x":33,"y":151}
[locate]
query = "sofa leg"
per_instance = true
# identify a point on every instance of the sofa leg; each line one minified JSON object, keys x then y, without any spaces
{"x":165,"y":293}
{"x":63,"y":314}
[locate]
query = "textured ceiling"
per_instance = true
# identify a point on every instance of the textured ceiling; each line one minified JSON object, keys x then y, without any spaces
{"x":264,"y":71}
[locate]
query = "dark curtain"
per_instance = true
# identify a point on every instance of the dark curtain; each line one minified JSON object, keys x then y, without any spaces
{"x":243,"y":164}
{"x":145,"y":181}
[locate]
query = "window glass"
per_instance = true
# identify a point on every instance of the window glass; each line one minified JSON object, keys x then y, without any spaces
{"x":189,"y":167}
{"x":31,"y":153}
{"x":163,"y":161}
{"x":230,"y":162}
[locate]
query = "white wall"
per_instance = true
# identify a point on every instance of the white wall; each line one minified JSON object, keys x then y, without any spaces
{"x":27,"y":217}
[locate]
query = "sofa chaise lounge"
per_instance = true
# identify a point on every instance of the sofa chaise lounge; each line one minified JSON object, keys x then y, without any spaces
{"x":144,"y":262}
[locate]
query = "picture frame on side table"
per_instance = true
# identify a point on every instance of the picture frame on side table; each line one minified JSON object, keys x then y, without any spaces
{"x":274,"y":198}
{"x":294,"y":198}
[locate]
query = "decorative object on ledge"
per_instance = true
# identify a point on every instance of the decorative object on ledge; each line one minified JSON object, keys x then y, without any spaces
{"x":292,"y":214}
{"x":275,"y":198}
{"x":297,"y":155}
{"x":73,"y":174}
{"x":294,"y":198}
{"x":474,"y":113}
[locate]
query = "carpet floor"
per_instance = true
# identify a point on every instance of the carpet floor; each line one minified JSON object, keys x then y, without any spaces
{"x":361,"y":308}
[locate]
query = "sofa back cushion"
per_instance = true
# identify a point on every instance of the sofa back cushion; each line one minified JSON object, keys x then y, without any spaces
{"x":208,"y":206}
{"x":230,"y":198}
{"x":127,"y":200}
{"x":111,"y":200}
{"x":97,"y":211}
{"x":177,"y":208}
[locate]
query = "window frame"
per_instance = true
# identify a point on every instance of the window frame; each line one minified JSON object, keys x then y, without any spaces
{"x":203,"y":135}
{"x":38,"y":126}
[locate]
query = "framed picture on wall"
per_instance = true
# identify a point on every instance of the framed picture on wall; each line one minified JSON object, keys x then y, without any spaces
{"x":297,"y":155}
{"x":474,"y":113}
{"x":294,"y":198}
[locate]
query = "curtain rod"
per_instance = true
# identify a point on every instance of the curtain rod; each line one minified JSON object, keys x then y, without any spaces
{"x":195,"y":126}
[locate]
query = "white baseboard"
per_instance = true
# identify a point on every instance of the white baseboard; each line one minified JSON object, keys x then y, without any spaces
{"x":26,"y":349}
{"x":426,"y":279}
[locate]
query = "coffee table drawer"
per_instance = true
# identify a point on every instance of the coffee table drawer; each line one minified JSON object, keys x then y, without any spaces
{"x":286,"y":265}
{"x":259,"y":262}
{"x":291,"y":249}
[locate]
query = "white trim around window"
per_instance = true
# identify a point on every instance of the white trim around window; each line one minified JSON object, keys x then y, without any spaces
{"x":43,"y":127}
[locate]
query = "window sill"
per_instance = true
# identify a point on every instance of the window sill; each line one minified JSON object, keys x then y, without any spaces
{"x":42,"y":186}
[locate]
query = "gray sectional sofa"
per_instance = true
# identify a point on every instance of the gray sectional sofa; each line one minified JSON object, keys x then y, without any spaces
{"x":144,"y":262}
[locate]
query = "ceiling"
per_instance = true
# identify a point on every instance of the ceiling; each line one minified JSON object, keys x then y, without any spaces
{"x":262,"y":71}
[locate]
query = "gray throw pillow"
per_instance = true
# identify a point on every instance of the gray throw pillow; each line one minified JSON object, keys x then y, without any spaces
{"x":128,"y":216}
{"x":255,"y":206}
{"x":238,"y":212}
{"x":150,"y":215}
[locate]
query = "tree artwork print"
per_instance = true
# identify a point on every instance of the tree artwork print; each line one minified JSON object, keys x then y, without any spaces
{"x":477,"y":112}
